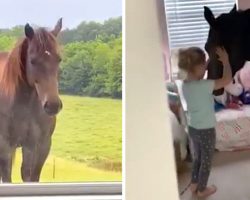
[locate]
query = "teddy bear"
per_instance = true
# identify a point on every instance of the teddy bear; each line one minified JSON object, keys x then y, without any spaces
{"x":232,"y":92}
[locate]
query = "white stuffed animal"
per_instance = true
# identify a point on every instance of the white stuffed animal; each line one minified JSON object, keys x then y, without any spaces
{"x":179,"y":135}
{"x":244,"y":76}
{"x":222,"y":99}
{"x":234,"y":89}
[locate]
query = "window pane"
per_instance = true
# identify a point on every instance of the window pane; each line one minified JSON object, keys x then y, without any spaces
{"x":86,"y":144}
{"x":186,"y":22}
{"x":187,"y":25}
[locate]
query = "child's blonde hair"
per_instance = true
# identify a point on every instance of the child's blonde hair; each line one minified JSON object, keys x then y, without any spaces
{"x":189,"y":58}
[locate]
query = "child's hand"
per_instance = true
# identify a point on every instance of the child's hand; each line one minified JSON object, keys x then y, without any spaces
{"x":223,"y":56}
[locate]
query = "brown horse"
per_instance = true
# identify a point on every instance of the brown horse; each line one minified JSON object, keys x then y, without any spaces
{"x":29,"y":101}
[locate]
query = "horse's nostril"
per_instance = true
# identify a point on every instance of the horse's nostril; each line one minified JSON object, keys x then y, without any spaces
{"x":46,"y":105}
{"x":52,"y":108}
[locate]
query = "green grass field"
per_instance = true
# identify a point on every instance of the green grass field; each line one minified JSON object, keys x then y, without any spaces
{"x":87,"y":142}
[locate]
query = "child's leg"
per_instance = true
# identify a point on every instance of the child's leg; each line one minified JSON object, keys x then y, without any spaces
{"x":183,"y":143}
{"x":196,"y":154}
{"x":207,"y":151}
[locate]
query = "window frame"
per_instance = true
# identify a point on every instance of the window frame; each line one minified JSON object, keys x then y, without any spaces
{"x":51,"y":189}
{"x":98,"y":197}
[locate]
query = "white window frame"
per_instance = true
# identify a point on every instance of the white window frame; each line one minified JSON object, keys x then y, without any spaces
{"x":37,"y":189}
{"x":65,"y":198}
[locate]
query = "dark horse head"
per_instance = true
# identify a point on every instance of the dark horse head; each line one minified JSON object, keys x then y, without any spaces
{"x":34,"y":61}
{"x":231,"y":30}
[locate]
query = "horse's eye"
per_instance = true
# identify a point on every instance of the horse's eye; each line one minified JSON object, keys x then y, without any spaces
{"x":33,"y":61}
{"x":36,"y":62}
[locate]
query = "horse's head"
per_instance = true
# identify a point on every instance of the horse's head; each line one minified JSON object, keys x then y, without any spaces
{"x":42,"y":65}
{"x":231,"y":30}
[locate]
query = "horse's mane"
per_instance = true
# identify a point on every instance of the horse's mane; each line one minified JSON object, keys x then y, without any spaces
{"x":12,"y":71}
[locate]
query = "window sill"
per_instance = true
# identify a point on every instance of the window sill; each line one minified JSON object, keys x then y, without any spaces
{"x":81,"y":197}
{"x":67,"y":189}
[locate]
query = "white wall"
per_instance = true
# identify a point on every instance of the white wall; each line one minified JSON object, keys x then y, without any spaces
{"x":243,"y":4}
{"x":164,"y":37}
{"x":150,"y":170}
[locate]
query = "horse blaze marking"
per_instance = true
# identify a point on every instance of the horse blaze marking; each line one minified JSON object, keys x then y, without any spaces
{"x":48,"y":53}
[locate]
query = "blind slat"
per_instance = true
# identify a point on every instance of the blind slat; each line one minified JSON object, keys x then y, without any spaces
{"x":187,"y":24}
{"x":201,"y":2}
{"x":197,"y":6}
{"x":187,"y":36}
{"x":193,"y":28}
{"x":198,"y":10}
{"x":181,"y":32}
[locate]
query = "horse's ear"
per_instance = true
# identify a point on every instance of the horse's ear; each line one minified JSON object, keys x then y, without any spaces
{"x":57,"y":27}
{"x":234,"y":9}
{"x":29,"y":31}
{"x":209,"y":16}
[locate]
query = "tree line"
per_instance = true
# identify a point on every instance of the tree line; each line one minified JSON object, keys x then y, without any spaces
{"x":92,"y":57}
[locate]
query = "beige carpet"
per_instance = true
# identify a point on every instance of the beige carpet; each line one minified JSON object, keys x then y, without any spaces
{"x":230,"y":173}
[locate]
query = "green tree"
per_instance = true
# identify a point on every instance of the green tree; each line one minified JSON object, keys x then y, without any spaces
{"x":6,"y":42}
{"x":76,"y":72}
{"x":112,"y":26}
{"x":99,"y":72}
{"x":114,"y":80}
{"x":89,"y":31}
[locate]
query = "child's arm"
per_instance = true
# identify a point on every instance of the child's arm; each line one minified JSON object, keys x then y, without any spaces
{"x":227,"y":72}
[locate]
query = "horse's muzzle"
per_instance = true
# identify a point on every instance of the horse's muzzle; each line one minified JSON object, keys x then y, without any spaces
{"x":53,"y":108}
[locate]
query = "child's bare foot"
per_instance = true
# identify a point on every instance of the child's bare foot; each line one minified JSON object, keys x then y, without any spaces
{"x":207,"y":192}
{"x":193,"y":187}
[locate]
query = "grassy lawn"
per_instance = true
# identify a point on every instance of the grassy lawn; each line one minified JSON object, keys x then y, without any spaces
{"x":66,"y":171}
{"x":87,"y":142}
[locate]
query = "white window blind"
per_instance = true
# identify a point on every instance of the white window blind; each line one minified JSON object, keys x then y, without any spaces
{"x":186,"y":23}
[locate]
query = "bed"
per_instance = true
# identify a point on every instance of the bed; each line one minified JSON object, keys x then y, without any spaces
{"x":232,"y":128}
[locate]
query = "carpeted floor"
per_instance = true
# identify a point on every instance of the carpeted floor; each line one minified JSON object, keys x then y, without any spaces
{"x":230,"y":173}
